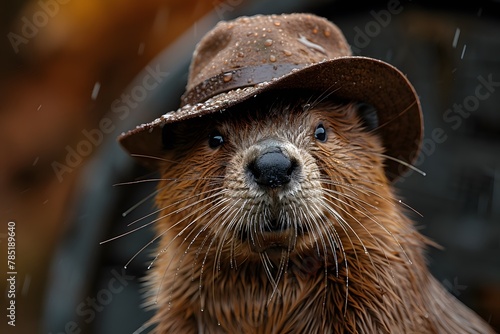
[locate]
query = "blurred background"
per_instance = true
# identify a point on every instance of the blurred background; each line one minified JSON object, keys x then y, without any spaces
{"x":74,"y":74}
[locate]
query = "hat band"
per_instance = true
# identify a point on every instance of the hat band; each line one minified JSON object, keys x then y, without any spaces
{"x":238,"y":78}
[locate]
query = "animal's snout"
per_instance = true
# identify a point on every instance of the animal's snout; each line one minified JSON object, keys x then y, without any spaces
{"x":272,"y":167}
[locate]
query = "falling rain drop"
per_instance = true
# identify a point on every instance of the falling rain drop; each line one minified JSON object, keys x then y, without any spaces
{"x":26,"y":285}
{"x":463,"y":51}
{"x":95,"y":90}
{"x":455,"y":38}
{"x":140,"y":50}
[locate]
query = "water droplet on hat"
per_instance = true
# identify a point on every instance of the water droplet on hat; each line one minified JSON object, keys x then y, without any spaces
{"x":272,"y":58}
{"x":326,"y":32}
{"x":277,"y":23}
{"x":268,"y":42}
{"x":287,"y":53}
{"x":315,"y":30}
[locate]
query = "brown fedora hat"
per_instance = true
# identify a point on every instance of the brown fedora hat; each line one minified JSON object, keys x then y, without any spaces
{"x":248,"y":56}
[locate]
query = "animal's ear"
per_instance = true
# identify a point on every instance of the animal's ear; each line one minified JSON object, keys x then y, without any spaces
{"x":368,"y":115}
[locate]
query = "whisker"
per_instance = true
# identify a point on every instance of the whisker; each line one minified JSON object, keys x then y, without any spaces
{"x":324,"y":95}
{"x":152,"y":157}
{"x":404,"y":163}
{"x":283,"y":262}
{"x":207,"y":253}
{"x":267,"y":263}
{"x":127,"y":183}
{"x":396,"y":116}
{"x":409,"y":207}
{"x":211,"y":206}
{"x":177,"y":203}
{"x":206,"y":238}
{"x":225,"y":226}
{"x":325,"y":250}
{"x":345,"y":163}
{"x":353,"y":198}
{"x":339,"y":219}
{"x":142,"y":201}
{"x":210,"y":209}
{"x":367,"y":191}
{"x":366,"y":230}
{"x":151,"y":222}
{"x":388,"y":232}
{"x":164,"y":232}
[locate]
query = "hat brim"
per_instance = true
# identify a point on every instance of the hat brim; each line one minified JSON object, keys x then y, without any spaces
{"x":353,"y":78}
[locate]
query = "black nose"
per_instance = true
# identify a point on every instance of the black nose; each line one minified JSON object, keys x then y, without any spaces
{"x":272,"y":168}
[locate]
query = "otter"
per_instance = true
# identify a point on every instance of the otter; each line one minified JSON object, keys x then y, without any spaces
{"x":280,"y":219}
{"x":276,"y":206}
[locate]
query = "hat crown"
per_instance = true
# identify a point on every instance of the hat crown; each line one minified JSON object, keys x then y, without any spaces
{"x":274,"y":44}
{"x":249,"y":56}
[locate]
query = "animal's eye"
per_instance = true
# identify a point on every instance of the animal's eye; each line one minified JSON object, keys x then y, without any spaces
{"x":215,"y":140}
{"x":320,"y":133}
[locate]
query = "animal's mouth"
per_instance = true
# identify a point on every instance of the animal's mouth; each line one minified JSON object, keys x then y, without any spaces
{"x":271,"y":237}
{"x":268,"y":241}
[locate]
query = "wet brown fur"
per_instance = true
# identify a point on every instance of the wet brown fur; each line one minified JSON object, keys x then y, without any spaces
{"x":363,"y":273}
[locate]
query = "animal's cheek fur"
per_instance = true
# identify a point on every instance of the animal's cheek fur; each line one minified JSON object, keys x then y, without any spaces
{"x":344,"y":160}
